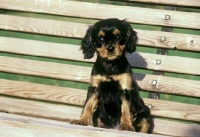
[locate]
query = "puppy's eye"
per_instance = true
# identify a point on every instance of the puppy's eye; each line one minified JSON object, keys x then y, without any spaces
{"x":118,"y":37}
{"x":101,"y":39}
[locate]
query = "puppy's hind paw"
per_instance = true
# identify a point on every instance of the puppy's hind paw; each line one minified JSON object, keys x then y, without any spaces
{"x":78,"y":122}
{"x":127,"y":127}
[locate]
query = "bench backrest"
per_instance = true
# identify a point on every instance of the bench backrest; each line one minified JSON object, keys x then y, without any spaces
{"x":44,"y":50}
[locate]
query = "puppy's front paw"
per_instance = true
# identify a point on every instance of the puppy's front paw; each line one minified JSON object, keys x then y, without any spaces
{"x":79,"y":122}
{"x":126,"y":127}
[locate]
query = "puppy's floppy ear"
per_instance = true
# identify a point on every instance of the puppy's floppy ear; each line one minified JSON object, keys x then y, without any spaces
{"x":87,"y":45}
{"x":131,"y":38}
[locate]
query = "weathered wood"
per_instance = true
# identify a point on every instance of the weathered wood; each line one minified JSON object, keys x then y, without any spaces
{"x":45,"y":69}
{"x":8,"y":121}
{"x":167,"y":127}
{"x":139,"y":60}
{"x":43,"y":131}
{"x":77,"y":30}
{"x":59,"y":129}
{"x":64,"y":104}
{"x":102,"y":11}
{"x":77,"y":97}
{"x":41,"y":92}
{"x":66,"y":113}
{"x":165,"y":63}
{"x":39,"y":109}
{"x":161,"y":126}
{"x":176,"y":110}
{"x":82,"y":74}
{"x":192,"y":3}
{"x":168,"y":85}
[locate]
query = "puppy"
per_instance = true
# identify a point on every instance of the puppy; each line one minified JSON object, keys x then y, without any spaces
{"x":113,"y":98}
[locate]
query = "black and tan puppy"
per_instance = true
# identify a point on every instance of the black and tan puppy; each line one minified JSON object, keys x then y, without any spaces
{"x":113,"y":99}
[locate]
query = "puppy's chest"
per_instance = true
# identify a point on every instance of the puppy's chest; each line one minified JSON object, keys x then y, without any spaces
{"x":121,"y":81}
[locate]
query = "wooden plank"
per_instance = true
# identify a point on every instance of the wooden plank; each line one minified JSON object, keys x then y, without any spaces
{"x":165,"y":63}
{"x":176,"y":110}
{"x":102,"y":11}
{"x":42,"y":49}
{"x":168,"y":85}
{"x":161,"y":126}
{"x":65,"y":95}
{"x":77,"y":30}
{"x":44,"y":69}
{"x":137,"y":60}
{"x":173,"y":128}
{"x":77,"y":97}
{"x":31,"y":124}
{"x":42,"y":92}
{"x":82,"y":74}
{"x":192,"y":3}
{"x":170,"y":128}
{"x":39,"y":109}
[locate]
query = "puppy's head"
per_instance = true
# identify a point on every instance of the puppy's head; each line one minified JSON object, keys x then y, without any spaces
{"x":110,"y":38}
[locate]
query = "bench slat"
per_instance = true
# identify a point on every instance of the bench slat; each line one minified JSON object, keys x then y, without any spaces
{"x":60,"y":94}
{"x":193,"y":3}
{"x":66,"y":113}
{"x":49,"y":128}
{"x":137,"y":60}
{"x":165,"y":63}
{"x":77,"y":30}
{"x":161,"y":126}
{"x":43,"y":131}
{"x":65,"y":95}
{"x":42,"y":92}
{"x":164,"y":85}
{"x":102,"y":11}
{"x":82,"y":74}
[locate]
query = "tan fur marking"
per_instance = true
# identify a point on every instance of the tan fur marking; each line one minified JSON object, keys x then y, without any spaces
{"x":96,"y":79}
{"x":99,"y":123}
{"x":144,"y":125}
{"x":110,"y":56}
{"x":116,"y":31}
{"x":121,"y":47}
{"x":126,"y":118}
{"x":124,"y":79}
{"x":101,"y":33}
{"x":89,"y":108}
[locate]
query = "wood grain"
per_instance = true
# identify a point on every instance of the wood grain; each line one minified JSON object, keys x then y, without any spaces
{"x":39,"y":109}
{"x":42,"y":130}
{"x":42,"y":92}
{"x":71,"y":96}
{"x":45,"y":69}
{"x":192,"y":3}
{"x":77,"y":30}
{"x":65,"y":95}
{"x":169,"y":85}
{"x":10,"y":120}
{"x":82,"y":74}
{"x":77,"y":97}
{"x":176,"y":110}
{"x":137,"y":60}
{"x":102,"y":11}
{"x":65,"y":113}
{"x":165,"y":63}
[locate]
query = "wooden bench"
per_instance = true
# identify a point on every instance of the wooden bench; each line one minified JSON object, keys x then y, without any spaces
{"x":44,"y":78}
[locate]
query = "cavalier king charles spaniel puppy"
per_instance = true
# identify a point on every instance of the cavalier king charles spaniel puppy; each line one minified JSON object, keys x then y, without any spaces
{"x":113,"y":99}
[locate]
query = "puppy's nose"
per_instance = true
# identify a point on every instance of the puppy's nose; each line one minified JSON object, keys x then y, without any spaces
{"x":110,"y":48}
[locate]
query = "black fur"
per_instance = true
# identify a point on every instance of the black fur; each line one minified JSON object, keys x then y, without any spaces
{"x":109,"y":92}
{"x":87,"y":44}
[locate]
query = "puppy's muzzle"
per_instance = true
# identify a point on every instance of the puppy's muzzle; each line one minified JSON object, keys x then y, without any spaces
{"x":110,"y":48}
